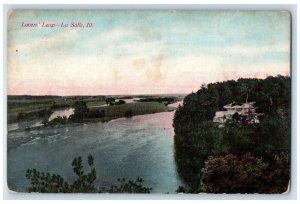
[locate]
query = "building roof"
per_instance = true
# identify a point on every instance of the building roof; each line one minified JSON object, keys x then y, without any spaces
{"x":243,"y":106}
{"x":220,"y":113}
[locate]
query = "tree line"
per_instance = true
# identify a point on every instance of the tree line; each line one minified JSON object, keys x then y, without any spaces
{"x":238,"y":158}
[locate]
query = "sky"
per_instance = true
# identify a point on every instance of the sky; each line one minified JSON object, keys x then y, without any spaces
{"x":142,"y":52}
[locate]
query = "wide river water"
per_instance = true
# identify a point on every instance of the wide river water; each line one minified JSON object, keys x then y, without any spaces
{"x":123,"y":148}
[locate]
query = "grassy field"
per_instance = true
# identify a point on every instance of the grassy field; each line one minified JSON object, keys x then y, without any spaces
{"x":93,"y":104}
{"x":15,"y":106}
{"x":139,"y":108}
{"x":12,"y":112}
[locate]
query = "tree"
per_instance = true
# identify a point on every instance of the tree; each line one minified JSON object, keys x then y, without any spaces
{"x":53,"y":183}
{"x":46,"y":182}
{"x":129,"y":187}
{"x":80,"y":112}
{"x":245,"y":174}
{"x":120,"y":102}
{"x":110,"y":101}
{"x":232,"y":174}
{"x":84,"y":182}
{"x":197,"y":138}
{"x":193,"y":148}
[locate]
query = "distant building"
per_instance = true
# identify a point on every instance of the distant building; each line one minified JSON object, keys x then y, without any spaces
{"x":239,"y":113}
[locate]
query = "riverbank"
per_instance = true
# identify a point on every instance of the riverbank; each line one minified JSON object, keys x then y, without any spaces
{"x":111,"y":113}
{"x":123,"y":148}
{"x":32,"y":112}
{"x":131,"y":109}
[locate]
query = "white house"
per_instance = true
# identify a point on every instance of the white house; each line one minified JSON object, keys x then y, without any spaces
{"x":244,"y":111}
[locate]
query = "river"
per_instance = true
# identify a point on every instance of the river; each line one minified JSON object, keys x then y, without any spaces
{"x":123,"y":148}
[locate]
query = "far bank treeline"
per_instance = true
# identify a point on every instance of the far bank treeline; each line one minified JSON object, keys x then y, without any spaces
{"x":113,"y":109}
{"x":97,"y":110}
{"x":237,"y":158}
{"x":26,"y":108}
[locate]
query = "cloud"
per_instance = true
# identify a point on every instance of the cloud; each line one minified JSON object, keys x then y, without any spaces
{"x":71,"y":74}
{"x":153,"y":56}
{"x":43,"y":44}
{"x":154,"y":73}
{"x":257,"y":50}
{"x":139,"y":63}
{"x":110,"y":36}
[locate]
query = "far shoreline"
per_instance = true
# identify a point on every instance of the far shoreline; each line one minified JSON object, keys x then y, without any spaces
{"x":87,"y":120}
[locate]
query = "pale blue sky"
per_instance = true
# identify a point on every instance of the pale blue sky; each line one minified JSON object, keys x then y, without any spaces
{"x":150,"y":48}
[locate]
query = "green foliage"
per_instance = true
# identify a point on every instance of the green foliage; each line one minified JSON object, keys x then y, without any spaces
{"x":96,"y":113}
{"x":80,"y":111}
{"x":46,"y":182}
{"x":278,"y":174}
{"x":84,"y":183}
{"x":197,"y":137}
{"x":192,"y":150}
{"x":244,"y":174}
{"x":20,"y":110}
{"x":53,"y":183}
{"x":129,"y":187}
{"x":181,"y":189}
{"x":165,"y":100}
{"x":110,"y":101}
{"x":95,"y":103}
{"x":120,"y":102}
{"x":34,"y":114}
{"x":90,"y":160}
{"x":29,"y":106}
{"x":138,"y":108}
{"x":238,"y":138}
{"x":272,"y":136}
{"x":128,"y":113}
{"x":59,"y":106}
{"x":232,"y":174}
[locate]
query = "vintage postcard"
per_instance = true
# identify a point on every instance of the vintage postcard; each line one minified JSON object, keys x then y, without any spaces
{"x":140,"y":101}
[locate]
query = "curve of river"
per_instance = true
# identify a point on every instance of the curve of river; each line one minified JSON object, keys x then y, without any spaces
{"x":123,"y":148}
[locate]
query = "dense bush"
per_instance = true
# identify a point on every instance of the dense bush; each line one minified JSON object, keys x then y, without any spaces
{"x":245,"y":174}
{"x":233,"y":174}
{"x":34,"y":114}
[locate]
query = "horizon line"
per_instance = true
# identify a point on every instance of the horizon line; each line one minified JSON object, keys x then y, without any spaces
{"x":149,"y":94}
{"x":100,"y":94}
